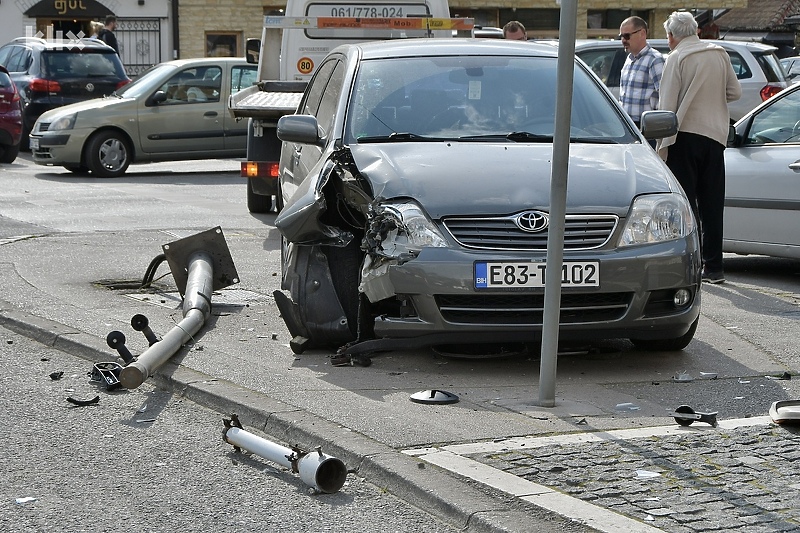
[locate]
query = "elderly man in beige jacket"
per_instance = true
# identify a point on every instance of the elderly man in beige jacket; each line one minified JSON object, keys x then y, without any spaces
{"x":697,"y":84}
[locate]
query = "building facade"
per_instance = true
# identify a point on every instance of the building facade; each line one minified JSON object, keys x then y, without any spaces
{"x":150,"y":31}
{"x":144,"y":27}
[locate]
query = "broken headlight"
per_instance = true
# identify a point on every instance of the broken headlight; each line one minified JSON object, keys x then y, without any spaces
{"x":658,"y":218}
{"x":401,"y":228}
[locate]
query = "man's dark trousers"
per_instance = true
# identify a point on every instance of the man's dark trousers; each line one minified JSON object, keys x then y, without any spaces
{"x":699,"y":164}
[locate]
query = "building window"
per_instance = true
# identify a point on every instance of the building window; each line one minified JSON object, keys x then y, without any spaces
{"x":222,"y":44}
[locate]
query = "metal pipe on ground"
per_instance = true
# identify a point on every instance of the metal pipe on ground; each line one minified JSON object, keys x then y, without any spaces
{"x":318,"y":470}
{"x":196,"y":309}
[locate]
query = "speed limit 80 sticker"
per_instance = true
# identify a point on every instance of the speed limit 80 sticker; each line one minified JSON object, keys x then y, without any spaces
{"x":305,"y":65}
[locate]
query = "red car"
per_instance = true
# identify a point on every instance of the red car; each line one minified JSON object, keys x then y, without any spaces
{"x":10,"y":118}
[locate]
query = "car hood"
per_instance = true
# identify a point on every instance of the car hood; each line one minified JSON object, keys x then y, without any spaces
{"x":93,"y":105}
{"x":476,"y":178}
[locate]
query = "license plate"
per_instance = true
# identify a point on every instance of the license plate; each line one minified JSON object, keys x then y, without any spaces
{"x":34,"y":143}
{"x":508,"y":275}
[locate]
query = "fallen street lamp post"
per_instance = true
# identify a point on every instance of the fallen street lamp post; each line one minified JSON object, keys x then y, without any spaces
{"x":200,"y":265}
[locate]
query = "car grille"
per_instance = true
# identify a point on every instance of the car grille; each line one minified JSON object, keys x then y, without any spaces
{"x":42,"y":127}
{"x":581,"y":232}
{"x":529,"y":308}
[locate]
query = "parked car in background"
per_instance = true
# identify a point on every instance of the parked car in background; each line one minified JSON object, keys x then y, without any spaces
{"x":414,"y":188}
{"x":49,"y":74}
{"x":762,"y":180}
{"x":791,"y":65}
{"x":756,"y":66}
{"x":175,"y":111}
{"x":10,"y":118}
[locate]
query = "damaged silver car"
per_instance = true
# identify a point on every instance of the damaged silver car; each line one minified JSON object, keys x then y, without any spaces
{"x":414,"y":197}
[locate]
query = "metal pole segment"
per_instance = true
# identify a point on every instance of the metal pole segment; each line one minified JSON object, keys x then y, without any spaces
{"x":318,"y":470}
{"x":196,"y":308}
{"x":558,"y":202}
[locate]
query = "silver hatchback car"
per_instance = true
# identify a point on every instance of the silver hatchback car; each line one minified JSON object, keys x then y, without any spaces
{"x":415,"y":204}
{"x":756,"y":66}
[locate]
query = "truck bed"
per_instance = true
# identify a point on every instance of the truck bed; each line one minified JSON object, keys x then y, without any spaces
{"x":267,"y":99}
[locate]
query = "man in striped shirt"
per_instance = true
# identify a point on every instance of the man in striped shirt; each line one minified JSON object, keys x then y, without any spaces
{"x":640,"y":79}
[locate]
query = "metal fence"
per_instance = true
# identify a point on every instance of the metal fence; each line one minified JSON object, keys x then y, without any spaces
{"x":139,"y":44}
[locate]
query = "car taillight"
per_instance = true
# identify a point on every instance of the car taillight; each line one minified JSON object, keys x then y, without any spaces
{"x":259,"y":169}
{"x":40,"y":85}
{"x":768,"y":91}
{"x":123,"y":83}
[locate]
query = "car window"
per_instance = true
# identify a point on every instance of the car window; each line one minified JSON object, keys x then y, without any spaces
{"x":68,"y":64}
{"x":242,"y":77}
{"x":19,"y":59}
{"x":330,"y":99}
{"x":600,"y":61}
{"x":740,"y":66}
{"x":772,"y":69}
{"x":475,"y":97}
{"x":194,"y":85}
{"x":316,"y":89}
{"x":4,"y":53}
{"x":778,"y":123}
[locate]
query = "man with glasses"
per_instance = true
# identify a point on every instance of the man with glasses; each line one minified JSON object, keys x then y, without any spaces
{"x":640,"y":78}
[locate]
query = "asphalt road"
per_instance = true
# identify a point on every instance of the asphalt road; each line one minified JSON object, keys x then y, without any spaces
{"x":73,"y":237}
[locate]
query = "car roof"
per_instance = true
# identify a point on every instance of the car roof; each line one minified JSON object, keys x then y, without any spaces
{"x":730,"y":45}
{"x":178,"y":63}
{"x":455,"y":46}
{"x":66,"y":44}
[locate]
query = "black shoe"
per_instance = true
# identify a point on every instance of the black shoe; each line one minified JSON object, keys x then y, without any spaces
{"x":713,"y":277}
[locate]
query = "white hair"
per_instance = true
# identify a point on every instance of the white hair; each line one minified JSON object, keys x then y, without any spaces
{"x":681,"y":24}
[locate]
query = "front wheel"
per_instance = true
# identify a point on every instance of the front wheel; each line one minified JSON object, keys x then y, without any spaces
{"x":9,"y":153}
{"x":108,"y":154}
{"x":77,"y":169}
{"x":257,"y":203}
{"x":667,"y":345}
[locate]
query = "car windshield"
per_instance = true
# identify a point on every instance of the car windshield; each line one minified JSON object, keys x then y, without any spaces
{"x":147,"y":81}
{"x":474,"y":99}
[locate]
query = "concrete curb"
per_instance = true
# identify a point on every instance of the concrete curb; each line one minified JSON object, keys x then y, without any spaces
{"x":456,"y":501}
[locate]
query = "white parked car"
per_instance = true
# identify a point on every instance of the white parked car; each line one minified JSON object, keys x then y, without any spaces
{"x":756,"y":65}
{"x":762,"y":180}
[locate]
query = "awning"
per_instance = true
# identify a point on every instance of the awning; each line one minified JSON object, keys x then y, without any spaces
{"x":74,"y":9}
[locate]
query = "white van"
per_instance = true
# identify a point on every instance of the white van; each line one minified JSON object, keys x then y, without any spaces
{"x":303,"y":49}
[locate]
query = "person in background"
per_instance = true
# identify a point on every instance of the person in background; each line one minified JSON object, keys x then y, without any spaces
{"x":697,"y":84}
{"x":95,"y":28}
{"x":515,"y":31}
{"x":107,"y":33}
{"x":640,"y":79}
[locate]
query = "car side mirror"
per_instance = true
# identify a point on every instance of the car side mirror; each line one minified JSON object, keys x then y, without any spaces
{"x":302,"y":129}
{"x":252,"y":51}
{"x":159,"y":97}
{"x":731,"y":135}
{"x":659,"y":124}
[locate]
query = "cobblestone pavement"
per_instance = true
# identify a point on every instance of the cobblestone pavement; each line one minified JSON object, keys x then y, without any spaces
{"x":744,"y":480}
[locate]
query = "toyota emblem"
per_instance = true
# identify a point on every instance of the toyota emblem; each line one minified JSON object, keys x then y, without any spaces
{"x":532,"y":221}
{"x":90,"y":87}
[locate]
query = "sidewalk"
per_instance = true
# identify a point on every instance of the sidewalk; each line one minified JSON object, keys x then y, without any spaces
{"x":482,"y":463}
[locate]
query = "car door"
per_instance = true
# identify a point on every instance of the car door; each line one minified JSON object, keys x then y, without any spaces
{"x":321,"y":100}
{"x":192,"y":117}
{"x":240,"y":77}
{"x":762,"y":186}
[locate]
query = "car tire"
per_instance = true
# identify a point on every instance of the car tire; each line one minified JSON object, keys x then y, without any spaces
{"x":108,"y":154}
{"x":667,"y":345}
{"x":9,"y":153}
{"x":77,"y":169}
{"x":257,"y":203}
